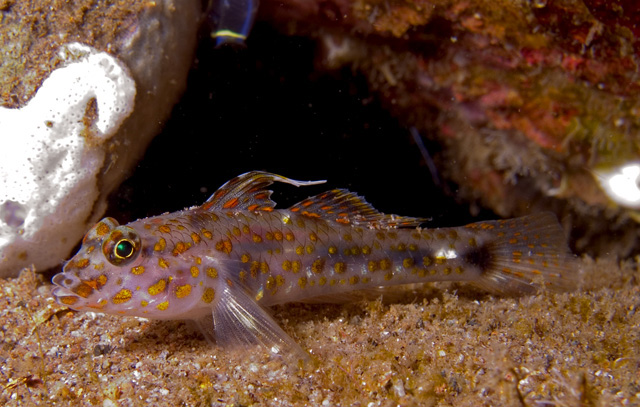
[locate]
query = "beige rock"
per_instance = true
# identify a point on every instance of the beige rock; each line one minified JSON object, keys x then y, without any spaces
{"x":79,"y":141}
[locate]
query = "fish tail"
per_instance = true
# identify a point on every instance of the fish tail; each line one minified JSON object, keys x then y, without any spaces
{"x":233,"y":20}
{"x":524,"y":255}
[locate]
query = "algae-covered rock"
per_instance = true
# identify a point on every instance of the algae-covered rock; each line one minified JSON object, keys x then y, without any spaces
{"x":535,"y":103}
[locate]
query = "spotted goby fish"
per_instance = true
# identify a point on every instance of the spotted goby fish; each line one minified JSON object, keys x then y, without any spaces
{"x":221,"y":264}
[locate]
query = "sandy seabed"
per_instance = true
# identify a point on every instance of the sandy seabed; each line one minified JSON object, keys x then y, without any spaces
{"x":447,"y":345}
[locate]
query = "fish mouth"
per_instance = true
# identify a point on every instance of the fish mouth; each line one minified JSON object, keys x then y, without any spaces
{"x":81,"y":287}
{"x":64,"y":296}
{"x":67,"y":297}
{"x":74,"y":292}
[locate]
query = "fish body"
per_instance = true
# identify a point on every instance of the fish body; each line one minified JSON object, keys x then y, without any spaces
{"x":222,"y":263}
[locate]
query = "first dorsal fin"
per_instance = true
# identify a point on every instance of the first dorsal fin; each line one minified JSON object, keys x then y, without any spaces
{"x":348,"y":208}
{"x":248,"y":192}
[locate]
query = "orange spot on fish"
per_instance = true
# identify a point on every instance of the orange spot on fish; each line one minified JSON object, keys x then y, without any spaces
{"x":232,"y":203}
{"x":224,"y":246}
{"x":183,"y":290}
{"x":160,"y":245}
{"x":180,"y":248}
{"x":92,"y":283}
{"x":122,"y":296}
{"x":317,"y":266}
{"x":68,"y":300}
{"x":102,"y":229}
{"x":83,"y":290}
{"x":100,"y":305}
{"x":82,"y":263}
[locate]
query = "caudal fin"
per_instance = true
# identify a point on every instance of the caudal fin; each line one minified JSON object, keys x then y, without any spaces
{"x":524,"y":255}
{"x":233,"y":20}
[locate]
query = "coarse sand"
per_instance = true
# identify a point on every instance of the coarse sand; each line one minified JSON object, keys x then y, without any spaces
{"x":445,"y":345}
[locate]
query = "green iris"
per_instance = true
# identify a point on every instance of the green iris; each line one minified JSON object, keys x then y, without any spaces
{"x":124,"y":249}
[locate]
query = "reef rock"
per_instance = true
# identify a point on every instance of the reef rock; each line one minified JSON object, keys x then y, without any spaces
{"x":534,"y":103}
{"x":83,"y":92}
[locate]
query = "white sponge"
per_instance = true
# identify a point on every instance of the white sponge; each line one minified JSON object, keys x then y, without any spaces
{"x":51,"y":152}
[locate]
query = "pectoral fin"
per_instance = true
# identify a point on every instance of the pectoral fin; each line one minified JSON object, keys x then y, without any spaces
{"x":239,"y":321}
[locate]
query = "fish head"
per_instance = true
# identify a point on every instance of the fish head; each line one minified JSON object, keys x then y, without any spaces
{"x":150,"y":268}
{"x":98,"y":278}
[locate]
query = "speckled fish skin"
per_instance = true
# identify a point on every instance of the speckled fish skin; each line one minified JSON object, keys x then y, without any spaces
{"x":221,"y":263}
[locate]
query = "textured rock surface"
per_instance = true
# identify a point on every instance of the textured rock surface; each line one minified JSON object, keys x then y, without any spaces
{"x":154,"y":40}
{"x":528,"y":99}
{"x":51,"y":154}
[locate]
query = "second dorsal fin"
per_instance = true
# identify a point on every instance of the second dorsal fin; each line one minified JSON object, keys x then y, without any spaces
{"x":248,"y":192}
{"x":348,"y":208}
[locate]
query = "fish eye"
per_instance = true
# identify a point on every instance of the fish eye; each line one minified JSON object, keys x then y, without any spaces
{"x":123,"y":249}
{"x":122,"y":246}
